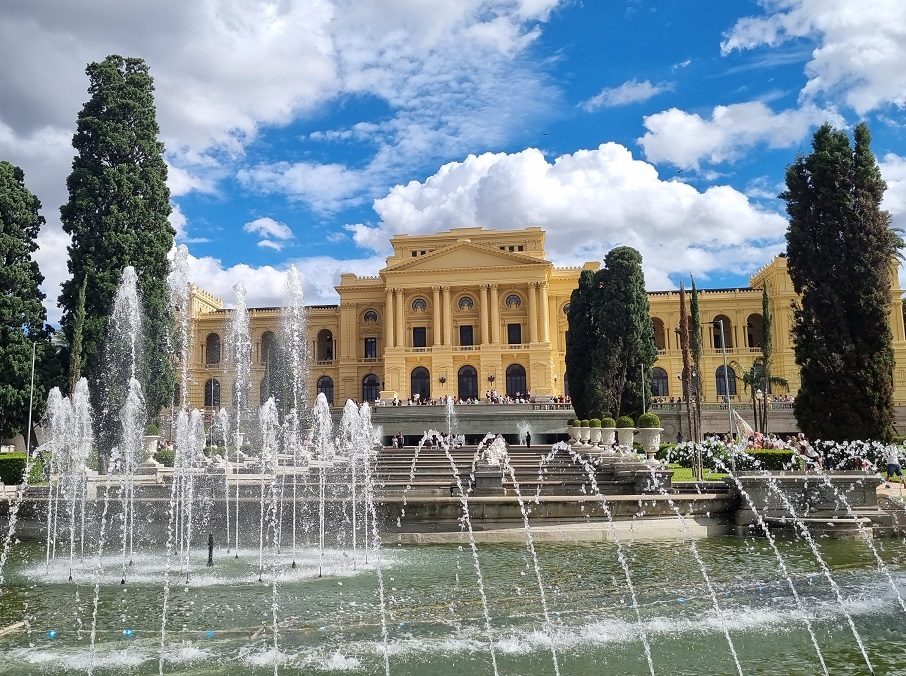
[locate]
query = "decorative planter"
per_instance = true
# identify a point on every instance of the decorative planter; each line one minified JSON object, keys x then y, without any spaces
{"x":608,"y":439}
{"x":584,"y":433}
{"x":151,"y":444}
{"x":650,"y":438}
{"x":625,"y":436}
{"x":594,"y":437}
{"x":573,"y":434}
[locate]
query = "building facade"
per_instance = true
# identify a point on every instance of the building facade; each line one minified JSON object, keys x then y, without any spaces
{"x":470,"y":310}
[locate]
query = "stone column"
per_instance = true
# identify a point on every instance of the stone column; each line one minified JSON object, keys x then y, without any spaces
{"x":483,"y":313}
{"x":400,"y":325}
{"x":437,"y":331}
{"x":532,"y":314}
{"x":495,"y":315}
{"x":388,"y":319}
{"x":545,"y":314}
{"x":448,"y":317}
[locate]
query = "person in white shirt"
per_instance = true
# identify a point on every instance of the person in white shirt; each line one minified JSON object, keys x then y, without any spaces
{"x":892,"y":458}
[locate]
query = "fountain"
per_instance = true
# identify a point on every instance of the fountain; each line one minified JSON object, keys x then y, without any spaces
{"x":315,"y":552}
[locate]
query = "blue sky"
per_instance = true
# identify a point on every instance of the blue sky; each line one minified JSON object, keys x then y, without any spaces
{"x":309,"y":132}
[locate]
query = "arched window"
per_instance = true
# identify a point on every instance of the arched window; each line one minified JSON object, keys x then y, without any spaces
{"x":371,"y":388}
{"x":325,"y":387}
{"x":268,"y":346}
{"x":465,"y":303}
{"x":212,"y":393}
{"x":212,"y":349}
{"x":728,"y":332}
{"x":467,"y":383}
{"x":660,"y":334}
{"x":370,"y":316}
{"x":513,"y":300}
{"x":755,"y":330}
{"x":515,"y":380}
{"x":722,"y":381}
{"x":659,"y":387}
{"x":419,"y":305}
{"x":325,"y":345}
{"x":421,"y":383}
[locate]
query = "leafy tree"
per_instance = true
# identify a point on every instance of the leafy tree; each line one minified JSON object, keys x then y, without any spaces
{"x":840,"y":250}
{"x":23,"y":327}
{"x":117,"y":216}
{"x":625,"y":333}
{"x":580,"y":343}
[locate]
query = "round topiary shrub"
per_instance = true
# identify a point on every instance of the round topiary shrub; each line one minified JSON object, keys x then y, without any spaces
{"x":572,"y":422}
{"x":584,"y":423}
{"x":625,"y":421}
{"x":649,"y":420}
{"x":594,"y":422}
{"x":152,"y":429}
{"x":608,"y":422}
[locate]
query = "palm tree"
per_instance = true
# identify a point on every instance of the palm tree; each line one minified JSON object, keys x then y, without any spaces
{"x":756,"y":380}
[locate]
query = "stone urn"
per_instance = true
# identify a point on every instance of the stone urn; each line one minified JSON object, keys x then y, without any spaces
{"x":573,"y":432}
{"x":650,"y":438}
{"x":594,"y":436}
{"x":625,"y":436}
{"x":584,"y":434}
{"x":150,"y":444}
{"x":608,"y":439}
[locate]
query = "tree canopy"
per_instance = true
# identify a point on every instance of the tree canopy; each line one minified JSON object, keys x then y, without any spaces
{"x":117,"y":215}
{"x":840,"y":253}
{"x":610,"y":344}
{"x":22,"y":316}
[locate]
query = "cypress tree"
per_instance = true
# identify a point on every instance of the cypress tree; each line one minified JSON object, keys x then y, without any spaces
{"x":23,"y":327}
{"x":767,"y":352}
{"x":840,"y":251}
{"x":117,"y":216}
{"x":695,"y":346}
{"x":581,"y":340}
{"x":625,"y":343}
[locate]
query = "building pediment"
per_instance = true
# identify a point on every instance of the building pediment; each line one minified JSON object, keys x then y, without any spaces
{"x":465,"y":255}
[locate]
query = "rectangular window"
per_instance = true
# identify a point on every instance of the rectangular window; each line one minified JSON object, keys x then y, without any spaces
{"x":466,"y":336}
{"x":419,"y":337}
{"x":371,"y":348}
{"x":520,"y":248}
{"x":514,"y":334}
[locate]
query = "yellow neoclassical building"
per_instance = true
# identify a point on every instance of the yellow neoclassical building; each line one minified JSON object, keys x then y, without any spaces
{"x":470,"y":310}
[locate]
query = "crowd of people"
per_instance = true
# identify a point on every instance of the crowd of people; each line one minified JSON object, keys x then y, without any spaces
{"x":776,"y":399}
{"x":490,"y":397}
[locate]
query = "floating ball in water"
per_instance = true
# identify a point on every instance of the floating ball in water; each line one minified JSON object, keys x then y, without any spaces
{"x":210,"y":634}
{"x":128,"y":632}
{"x":681,"y":600}
{"x":52,"y":633}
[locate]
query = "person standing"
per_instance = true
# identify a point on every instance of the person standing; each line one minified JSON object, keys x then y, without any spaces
{"x":528,"y":439}
{"x":892,"y":459}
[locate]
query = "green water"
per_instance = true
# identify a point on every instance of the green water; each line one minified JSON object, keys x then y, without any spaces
{"x":221,"y":622}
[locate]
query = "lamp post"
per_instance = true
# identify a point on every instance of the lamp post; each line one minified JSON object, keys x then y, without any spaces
{"x":759,"y":415}
{"x":723,"y":345}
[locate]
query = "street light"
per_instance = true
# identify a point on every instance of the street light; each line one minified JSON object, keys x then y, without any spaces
{"x":723,"y":345}
{"x":759,"y":415}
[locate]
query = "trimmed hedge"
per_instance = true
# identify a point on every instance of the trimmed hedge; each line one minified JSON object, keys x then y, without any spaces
{"x":625,"y":421}
{"x":585,"y":423}
{"x":594,"y":422}
{"x":166,"y":457}
{"x":12,"y":467}
{"x":608,"y":422}
{"x":648,"y":420}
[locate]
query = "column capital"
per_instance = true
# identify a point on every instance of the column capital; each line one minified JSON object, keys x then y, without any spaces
{"x":436,"y":288}
{"x":445,"y":288}
{"x":484,"y":285}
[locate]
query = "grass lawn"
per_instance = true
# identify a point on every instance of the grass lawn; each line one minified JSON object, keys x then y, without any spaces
{"x":685,"y":474}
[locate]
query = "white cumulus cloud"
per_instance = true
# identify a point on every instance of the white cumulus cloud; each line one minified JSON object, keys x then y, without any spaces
{"x":632,"y":91}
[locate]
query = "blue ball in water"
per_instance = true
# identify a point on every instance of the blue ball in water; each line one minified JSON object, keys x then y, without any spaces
{"x":52,"y":633}
{"x":681,"y":601}
{"x":210,"y":634}
{"x":128,"y":632}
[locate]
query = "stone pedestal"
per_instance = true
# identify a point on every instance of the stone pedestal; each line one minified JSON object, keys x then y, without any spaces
{"x":625,"y":437}
{"x":488,"y":480}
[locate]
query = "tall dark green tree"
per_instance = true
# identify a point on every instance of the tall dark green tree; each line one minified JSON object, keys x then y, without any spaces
{"x":581,"y":340}
{"x":840,"y":252}
{"x":695,"y":346}
{"x":23,"y":327}
{"x":625,"y":346}
{"x":117,"y":216}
